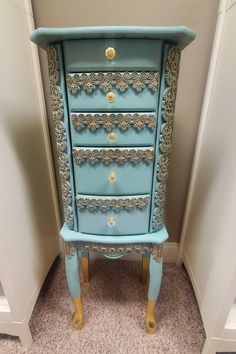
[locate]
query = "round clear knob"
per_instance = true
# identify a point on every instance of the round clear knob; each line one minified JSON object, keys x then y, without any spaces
{"x":111,"y":222}
{"x":110,"y":53}
{"x":112,"y":177}
{"x":112,"y":137}
{"x":111,"y":97}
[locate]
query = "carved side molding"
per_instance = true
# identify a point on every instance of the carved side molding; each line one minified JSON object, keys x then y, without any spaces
{"x":119,"y":156}
{"x":108,"y":204}
{"x":154,"y":249}
{"x":70,"y":250}
{"x":168,"y":111}
{"x":60,"y":133}
{"x":109,"y":121}
{"x":121,"y":81}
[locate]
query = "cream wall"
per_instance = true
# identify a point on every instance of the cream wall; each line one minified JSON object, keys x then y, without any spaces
{"x":29,"y":220}
{"x":201,"y":16}
{"x":208,"y":236}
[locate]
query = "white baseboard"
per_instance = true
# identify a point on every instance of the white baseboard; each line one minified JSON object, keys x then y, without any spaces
{"x":19,"y":329}
{"x":213,"y":345}
{"x":188,"y":267}
{"x":170,"y":252}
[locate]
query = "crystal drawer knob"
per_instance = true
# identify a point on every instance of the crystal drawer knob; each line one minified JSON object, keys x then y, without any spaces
{"x":110,"y":53}
{"x":111,"y":97}
{"x":111,"y":222}
{"x":112,"y":137}
{"x":112,"y":177}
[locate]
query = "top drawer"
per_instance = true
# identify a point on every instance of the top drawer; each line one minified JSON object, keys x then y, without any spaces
{"x":112,"y":55}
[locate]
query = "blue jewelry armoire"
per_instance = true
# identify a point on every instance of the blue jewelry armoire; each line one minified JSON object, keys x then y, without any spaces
{"x":113,"y":92}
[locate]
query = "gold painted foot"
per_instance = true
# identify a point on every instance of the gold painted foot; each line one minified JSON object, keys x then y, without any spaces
{"x":78,"y":315}
{"x":151,"y":325}
{"x":85,"y":268}
{"x":145,"y":262}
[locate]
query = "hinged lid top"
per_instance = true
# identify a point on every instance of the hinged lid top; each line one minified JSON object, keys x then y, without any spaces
{"x":179,"y":36}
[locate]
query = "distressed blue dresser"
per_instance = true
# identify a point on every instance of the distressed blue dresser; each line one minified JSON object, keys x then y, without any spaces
{"x":113,"y":93}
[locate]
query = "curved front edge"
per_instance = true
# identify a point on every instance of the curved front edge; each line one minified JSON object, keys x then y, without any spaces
{"x":157,"y":237}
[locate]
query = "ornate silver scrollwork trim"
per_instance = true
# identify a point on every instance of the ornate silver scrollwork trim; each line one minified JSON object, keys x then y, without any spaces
{"x":118,"y":80}
{"x":168,"y":110}
{"x":109,"y":121}
{"x":154,"y":249}
{"x":60,"y":133}
{"x":116,"y":205}
{"x":120,"y":156}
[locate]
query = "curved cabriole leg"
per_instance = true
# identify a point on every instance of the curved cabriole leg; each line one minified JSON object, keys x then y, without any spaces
{"x":73,"y":280}
{"x":85,"y":265}
{"x":145,"y":264}
{"x":155,"y":274}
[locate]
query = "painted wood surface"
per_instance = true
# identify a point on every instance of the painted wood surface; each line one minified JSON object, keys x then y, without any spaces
{"x":111,"y":181}
{"x":178,"y":35}
{"x":135,"y":54}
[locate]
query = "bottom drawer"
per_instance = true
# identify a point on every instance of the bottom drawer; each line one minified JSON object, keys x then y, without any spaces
{"x":113,"y":215}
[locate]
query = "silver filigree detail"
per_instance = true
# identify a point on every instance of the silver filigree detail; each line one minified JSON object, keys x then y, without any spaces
{"x":60,"y":134}
{"x":116,"y":204}
{"x":154,"y":249}
{"x":120,"y":156}
{"x":168,"y":111}
{"x":121,"y":81}
{"x":109,"y":121}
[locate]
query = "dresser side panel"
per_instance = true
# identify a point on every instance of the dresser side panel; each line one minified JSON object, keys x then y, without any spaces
{"x":62,"y":133}
{"x":168,"y":90}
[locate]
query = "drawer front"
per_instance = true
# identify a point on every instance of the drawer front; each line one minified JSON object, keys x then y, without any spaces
{"x":130,"y":100}
{"x":113,"y":91}
{"x":112,"y":54}
{"x":94,"y":129}
{"x":113,"y":171}
{"x":113,"y":215}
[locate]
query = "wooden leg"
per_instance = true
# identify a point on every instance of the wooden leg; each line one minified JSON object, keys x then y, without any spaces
{"x":85,"y":265}
{"x":78,"y":315}
{"x":145,"y":262}
{"x":155,"y":274}
{"x":73,"y":279}
{"x":151,"y":325}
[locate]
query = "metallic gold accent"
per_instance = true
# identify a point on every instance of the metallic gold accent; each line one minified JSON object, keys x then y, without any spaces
{"x":168,"y":110}
{"x":111,"y":137}
{"x":110,"y":53}
{"x":108,"y":121}
{"x":60,"y":133}
{"x":157,"y":252}
{"x":85,"y":268}
{"x":150,"y":321}
{"x":107,"y":156}
{"x":70,"y":250}
{"x":116,"y":204}
{"x":111,"y":221}
{"x":112,"y":177}
{"x":121,"y":81}
{"x":111,"y":97}
{"x":78,"y":315}
{"x":145,"y":264}
{"x":143,"y":248}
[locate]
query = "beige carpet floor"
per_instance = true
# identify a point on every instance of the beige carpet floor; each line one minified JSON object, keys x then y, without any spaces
{"x":114,"y":305}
